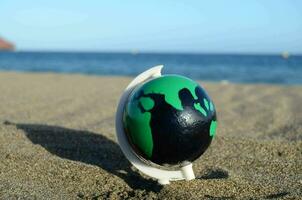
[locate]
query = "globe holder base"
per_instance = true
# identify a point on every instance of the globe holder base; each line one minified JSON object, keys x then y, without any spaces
{"x":163,"y":176}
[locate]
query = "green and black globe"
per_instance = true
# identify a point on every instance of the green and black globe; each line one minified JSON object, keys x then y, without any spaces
{"x":169,"y":120}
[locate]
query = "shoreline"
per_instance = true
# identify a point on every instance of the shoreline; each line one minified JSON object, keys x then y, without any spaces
{"x":130,"y":77}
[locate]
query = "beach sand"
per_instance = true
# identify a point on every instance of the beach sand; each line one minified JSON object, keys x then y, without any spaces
{"x":57,"y":141}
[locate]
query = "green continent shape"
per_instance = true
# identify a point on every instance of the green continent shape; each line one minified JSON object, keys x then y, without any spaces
{"x":212,"y":106}
{"x":213,"y":127}
{"x":169,"y":86}
{"x":138,"y":124}
{"x":198,"y":107}
{"x":206,"y":103}
{"x":147,"y":103}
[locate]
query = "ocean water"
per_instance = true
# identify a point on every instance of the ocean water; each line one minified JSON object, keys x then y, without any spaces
{"x":272,"y":69}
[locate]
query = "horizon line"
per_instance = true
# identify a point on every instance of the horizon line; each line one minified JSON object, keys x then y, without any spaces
{"x":136,"y":52}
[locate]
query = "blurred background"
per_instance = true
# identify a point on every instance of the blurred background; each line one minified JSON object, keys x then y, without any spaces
{"x":229,"y":41}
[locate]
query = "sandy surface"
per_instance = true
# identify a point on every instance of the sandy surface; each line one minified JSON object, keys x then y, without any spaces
{"x":57,"y":141}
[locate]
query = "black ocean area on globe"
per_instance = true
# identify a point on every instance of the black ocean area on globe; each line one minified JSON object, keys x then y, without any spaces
{"x":178,"y":135}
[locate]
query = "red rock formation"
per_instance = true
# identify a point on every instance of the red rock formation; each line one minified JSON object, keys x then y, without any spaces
{"x":6,"y":46}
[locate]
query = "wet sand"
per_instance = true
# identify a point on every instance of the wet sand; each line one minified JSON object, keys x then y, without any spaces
{"x":57,"y":141}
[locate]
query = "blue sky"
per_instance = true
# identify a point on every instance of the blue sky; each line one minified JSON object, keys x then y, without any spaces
{"x":230,"y":26}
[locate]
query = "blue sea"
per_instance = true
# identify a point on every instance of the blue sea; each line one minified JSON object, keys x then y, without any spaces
{"x":273,"y":69}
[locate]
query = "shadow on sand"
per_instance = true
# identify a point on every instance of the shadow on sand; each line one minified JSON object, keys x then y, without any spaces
{"x":86,"y":147}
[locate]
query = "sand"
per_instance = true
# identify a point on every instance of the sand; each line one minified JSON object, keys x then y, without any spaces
{"x":57,"y":141}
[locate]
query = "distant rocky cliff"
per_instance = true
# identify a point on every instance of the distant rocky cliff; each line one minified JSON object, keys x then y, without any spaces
{"x":6,"y":46}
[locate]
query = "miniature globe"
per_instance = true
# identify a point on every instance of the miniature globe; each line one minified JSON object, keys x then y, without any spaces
{"x":169,"y":120}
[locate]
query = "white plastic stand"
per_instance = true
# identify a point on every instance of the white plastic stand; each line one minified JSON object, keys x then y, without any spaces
{"x":163,"y":176}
